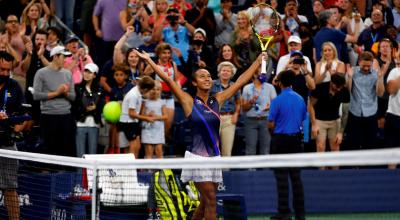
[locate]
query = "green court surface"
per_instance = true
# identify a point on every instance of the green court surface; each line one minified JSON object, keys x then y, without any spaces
{"x":352,"y":216}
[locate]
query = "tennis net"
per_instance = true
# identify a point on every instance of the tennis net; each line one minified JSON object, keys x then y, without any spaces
{"x":122,"y":187}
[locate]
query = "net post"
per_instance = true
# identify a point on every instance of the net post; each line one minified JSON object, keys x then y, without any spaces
{"x":94,"y":192}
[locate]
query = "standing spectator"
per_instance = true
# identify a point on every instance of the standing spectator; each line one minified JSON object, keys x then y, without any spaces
{"x":78,"y":60}
{"x":133,"y":15}
{"x":153,"y":136}
{"x":324,"y":109}
{"x":329,"y":64}
{"x":107,"y":26}
{"x":182,"y":6}
{"x":230,"y":111}
{"x":86,"y":25}
{"x":31,"y":20}
{"x":365,"y":85}
{"x":129,"y":121}
{"x":256,"y":100}
{"x":200,"y":56}
{"x":294,"y":44}
{"x":392,"y":124}
{"x":384,"y":56}
{"x":227,"y":53}
{"x":318,"y":7}
{"x":36,"y":58}
{"x":386,"y":12}
{"x":202,"y":17}
{"x":64,"y":9}
{"x":285,"y":126}
{"x":244,"y":41}
{"x":19,"y":43}
{"x":373,"y":33}
{"x":291,"y":18}
{"x":54,"y":87}
{"x":54,"y":38}
{"x":10,"y":104}
{"x":396,"y":17}
{"x":88,"y":109}
{"x":226,"y":21}
{"x":177,"y":34}
{"x":158,"y":15}
{"x":328,"y":32}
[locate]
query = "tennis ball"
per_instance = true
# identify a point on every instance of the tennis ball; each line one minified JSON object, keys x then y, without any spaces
{"x":112,"y":111}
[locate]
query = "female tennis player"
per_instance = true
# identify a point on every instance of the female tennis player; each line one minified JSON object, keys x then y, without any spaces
{"x":202,"y":111}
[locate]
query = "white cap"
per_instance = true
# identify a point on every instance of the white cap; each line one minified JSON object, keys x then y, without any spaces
{"x":294,"y":39}
{"x":201,"y":30}
{"x":59,"y":50}
{"x":92,"y":67}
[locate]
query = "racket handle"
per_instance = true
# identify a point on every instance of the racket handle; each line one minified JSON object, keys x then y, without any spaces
{"x":264,"y":66}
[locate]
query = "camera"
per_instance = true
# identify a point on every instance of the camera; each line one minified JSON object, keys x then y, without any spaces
{"x":299,"y":61}
{"x":7,"y":135}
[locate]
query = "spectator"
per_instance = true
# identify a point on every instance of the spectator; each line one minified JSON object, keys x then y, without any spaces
{"x":36,"y":58}
{"x":318,"y":6}
{"x":19,"y":43}
{"x":54,"y":38}
{"x":396,"y":17}
{"x":177,"y":34}
{"x":357,"y":26}
{"x":226,"y":21}
{"x":107,"y":26}
{"x":133,"y":15}
{"x":294,"y":44}
{"x":182,"y":6}
{"x":78,"y":60}
{"x":158,"y":15}
{"x":88,"y":109}
{"x":86,"y":25}
{"x":307,"y":42}
{"x":200,"y":56}
{"x":64,"y":9}
{"x":291,"y":18}
{"x":10,"y":105}
{"x":202,"y":17}
{"x":149,"y":46}
{"x":153,"y":135}
{"x":256,"y":100}
{"x":260,"y":15}
{"x":129,"y":120}
{"x":373,"y":33}
{"x":230,"y":110}
{"x":393,"y":112}
{"x":328,"y":32}
{"x":31,"y":20}
{"x":386,"y":12}
{"x":227,"y":53}
{"x":54,"y":87}
{"x":343,"y":24}
{"x":329,"y":64}
{"x":244,"y":41}
{"x":324,"y":109}
{"x":384,"y":56}
{"x":365,"y":85}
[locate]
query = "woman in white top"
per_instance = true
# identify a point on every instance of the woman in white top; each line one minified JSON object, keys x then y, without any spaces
{"x":329,"y":64}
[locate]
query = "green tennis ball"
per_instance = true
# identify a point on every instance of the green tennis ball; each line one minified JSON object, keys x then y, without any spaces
{"x":112,"y":111}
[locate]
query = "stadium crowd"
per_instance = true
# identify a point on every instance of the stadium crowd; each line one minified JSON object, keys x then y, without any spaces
{"x":344,"y":54}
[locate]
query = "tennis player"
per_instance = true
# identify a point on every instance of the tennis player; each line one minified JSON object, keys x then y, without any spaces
{"x":203,"y":113}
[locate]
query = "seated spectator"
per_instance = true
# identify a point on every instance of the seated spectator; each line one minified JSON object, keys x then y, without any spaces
{"x":202,"y":17}
{"x":31,"y":19}
{"x":78,"y":60}
{"x":324,"y":109}
{"x":244,"y":41}
{"x":291,"y":18}
{"x":177,"y":34}
{"x":230,"y":111}
{"x":373,"y":33}
{"x":365,"y":85}
{"x":227,"y":53}
{"x":328,"y":32}
{"x":256,"y":100}
{"x":88,"y":107}
{"x":329,"y":64}
{"x":226,"y":21}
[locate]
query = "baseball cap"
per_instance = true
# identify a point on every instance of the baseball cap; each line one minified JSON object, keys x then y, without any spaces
{"x":172,"y":10}
{"x":296,"y":53}
{"x":71,"y":38}
{"x":59,"y":50}
{"x":201,"y":30}
{"x":92,"y":67}
{"x":294,"y":39}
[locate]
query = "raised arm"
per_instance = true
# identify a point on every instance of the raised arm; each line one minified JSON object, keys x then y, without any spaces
{"x":241,"y":81}
{"x":184,"y":98}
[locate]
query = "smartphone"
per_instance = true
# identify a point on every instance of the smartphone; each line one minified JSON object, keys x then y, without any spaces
{"x":299,"y":61}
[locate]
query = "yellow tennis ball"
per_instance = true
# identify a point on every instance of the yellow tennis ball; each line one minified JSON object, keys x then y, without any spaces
{"x":112,"y":111}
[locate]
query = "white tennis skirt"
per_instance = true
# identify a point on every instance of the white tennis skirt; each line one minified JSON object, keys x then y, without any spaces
{"x":200,"y":175}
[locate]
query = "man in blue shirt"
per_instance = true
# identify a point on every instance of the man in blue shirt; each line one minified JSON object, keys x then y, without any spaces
{"x":285,"y":126}
{"x":365,"y":85}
